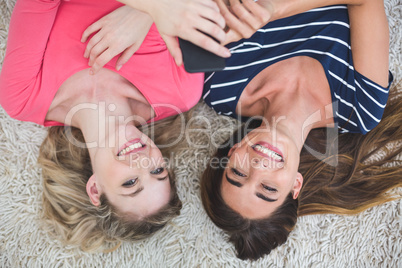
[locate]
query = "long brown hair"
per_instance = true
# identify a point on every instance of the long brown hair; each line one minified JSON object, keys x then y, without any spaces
{"x":367,"y":168}
{"x":67,"y":209}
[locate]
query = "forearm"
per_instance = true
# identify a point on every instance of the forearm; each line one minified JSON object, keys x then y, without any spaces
{"x":30,"y":26}
{"x":286,"y":8}
{"x":369,"y":34}
{"x":142,"y":5}
{"x":369,"y":31}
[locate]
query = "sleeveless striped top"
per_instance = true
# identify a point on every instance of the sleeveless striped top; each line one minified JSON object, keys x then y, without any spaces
{"x":321,"y":33}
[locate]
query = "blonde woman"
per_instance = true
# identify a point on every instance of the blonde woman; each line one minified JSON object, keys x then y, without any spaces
{"x":104,"y":180}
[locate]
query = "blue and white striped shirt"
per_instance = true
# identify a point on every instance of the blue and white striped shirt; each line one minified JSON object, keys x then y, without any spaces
{"x":321,"y":33}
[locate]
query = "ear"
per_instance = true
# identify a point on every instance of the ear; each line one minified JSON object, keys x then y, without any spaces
{"x":93,"y":191}
{"x":297,"y":185}
{"x":234,"y":147}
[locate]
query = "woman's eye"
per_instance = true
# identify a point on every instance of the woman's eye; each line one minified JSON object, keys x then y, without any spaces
{"x":269,"y":188}
{"x":236,"y":172}
{"x":130,"y":183}
{"x":157,"y":171}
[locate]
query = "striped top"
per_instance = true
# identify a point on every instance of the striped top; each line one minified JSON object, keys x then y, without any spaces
{"x":321,"y":33}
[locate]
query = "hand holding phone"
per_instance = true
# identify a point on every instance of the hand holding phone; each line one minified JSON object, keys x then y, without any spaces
{"x":197,"y":59}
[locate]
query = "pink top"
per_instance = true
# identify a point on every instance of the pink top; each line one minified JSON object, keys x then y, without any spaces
{"x":44,"y":49}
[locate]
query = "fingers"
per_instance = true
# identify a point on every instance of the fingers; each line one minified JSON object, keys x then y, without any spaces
{"x":125,"y":56}
{"x":206,"y":19}
{"x":102,"y":54}
{"x":90,"y":30}
{"x":244,"y":17}
{"x":209,"y":44}
{"x":91,"y":44}
{"x":213,"y":14}
{"x":260,"y":13}
{"x":173,"y":46}
{"x":244,"y":11}
{"x":213,"y":30}
{"x":233,"y":22}
{"x":211,"y":4}
{"x":95,"y":51}
{"x":100,"y":61}
{"x":232,"y":36}
{"x":100,"y":51}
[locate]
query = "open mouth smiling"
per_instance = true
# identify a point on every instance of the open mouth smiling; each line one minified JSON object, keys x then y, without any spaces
{"x":132,"y":147}
{"x":268,"y":151}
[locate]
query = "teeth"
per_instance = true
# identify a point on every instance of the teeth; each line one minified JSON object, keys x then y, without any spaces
{"x":130,"y":148}
{"x":268,"y":152}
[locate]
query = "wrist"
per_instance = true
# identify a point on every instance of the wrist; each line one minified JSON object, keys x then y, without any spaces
{"x":141,"y":5}
{"x":280,"y":8}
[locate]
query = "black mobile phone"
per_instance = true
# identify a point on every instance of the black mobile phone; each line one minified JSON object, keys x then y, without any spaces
{"x":197,"y":59}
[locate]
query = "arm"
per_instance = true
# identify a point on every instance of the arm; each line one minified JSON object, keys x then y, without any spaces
{"x":30,"y":26}
{"x":245,"y":17}
{"x":369,"y":35}
{"x":368,"y":27}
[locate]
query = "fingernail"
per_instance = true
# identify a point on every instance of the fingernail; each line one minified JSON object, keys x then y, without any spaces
{"x":118,"y":67}
{"x":91,"y":72}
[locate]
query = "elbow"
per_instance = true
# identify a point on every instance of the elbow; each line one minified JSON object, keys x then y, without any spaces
{"x":10,"y":101}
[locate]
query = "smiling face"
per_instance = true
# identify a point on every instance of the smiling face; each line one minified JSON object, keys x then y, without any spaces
{"x":261,"y":171}
{"x":131,"y":174}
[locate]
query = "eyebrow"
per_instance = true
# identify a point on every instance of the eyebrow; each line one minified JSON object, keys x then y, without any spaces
{"x":135,"y":193}
{"x":238,"y":184}
{"x":263,"y":197}
{"x":235,"y":183}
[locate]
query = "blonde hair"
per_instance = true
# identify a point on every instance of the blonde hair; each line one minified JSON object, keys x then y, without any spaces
{"x":67,"y":209}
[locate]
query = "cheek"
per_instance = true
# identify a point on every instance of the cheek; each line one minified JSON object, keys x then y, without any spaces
{"x":156,"y":198}
{"x":102,"y":161}
{"x":228,"y":192}
{"x":156,"y":154}
{"x":160,"y":193}
{"x":165,"y":192}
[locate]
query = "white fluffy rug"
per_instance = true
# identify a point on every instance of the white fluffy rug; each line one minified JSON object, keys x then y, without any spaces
{"x":370,"y":239}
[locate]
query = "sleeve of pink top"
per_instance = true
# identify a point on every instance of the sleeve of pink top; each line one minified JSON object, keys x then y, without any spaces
{"x":30,"y":27}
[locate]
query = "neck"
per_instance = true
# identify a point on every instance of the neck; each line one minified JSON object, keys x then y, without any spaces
{"x":100,"y":120}
{"x":82,"y":94}
{"x":297,"y":111}
{"x":296,"y":89}
{"x":288,"y":124}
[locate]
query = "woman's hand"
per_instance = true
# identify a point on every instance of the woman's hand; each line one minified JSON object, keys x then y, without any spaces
{"x":244,"y":17}
{"x":121,"y":31}
{"x":192,"y":20}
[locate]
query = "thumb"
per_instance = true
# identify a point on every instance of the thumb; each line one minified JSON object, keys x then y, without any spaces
{"x":172,"y":45}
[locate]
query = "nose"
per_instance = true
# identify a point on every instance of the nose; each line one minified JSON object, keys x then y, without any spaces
{"x":140,"y":160}
{"x":260,"y":163}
